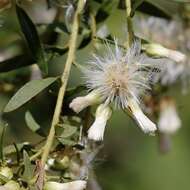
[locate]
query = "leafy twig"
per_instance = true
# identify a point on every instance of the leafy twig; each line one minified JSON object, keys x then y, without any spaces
{"x":64,"y":80}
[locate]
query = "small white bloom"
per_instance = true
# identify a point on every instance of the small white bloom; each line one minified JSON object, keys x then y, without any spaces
{"x":169,"y":121}
{"x":159,"y":50}
{"x":74,"y":185}
{"x":79,"y":103}
{"x":118,"y":75}
{"x":143,"y":121}
{"x":35,"y":72}
{"x":96,"y":131}
{"x":50,"y":163}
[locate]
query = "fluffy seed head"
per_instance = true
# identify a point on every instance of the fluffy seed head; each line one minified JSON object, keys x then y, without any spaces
{"x":117,"y":75}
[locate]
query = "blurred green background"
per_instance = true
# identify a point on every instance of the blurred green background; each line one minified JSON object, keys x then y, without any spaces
{"x":129,"y":159}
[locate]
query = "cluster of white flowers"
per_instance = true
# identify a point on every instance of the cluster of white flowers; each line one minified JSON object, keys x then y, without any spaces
{"x":118,"y":78}
{"x":167,"y":33}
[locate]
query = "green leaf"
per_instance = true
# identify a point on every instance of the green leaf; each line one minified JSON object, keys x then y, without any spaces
{"x":67,"y":142}
{"x":27,"y":92}
{"x":31,"y":123}
{"x":68,"y":131}
{"x":10,"y":149}
{"x":15,"y":63}
{"x":31,"y":35}
{"x":2,"y":143}
{"x":106,"y":9}
{"x":182,"y":1}
{"x":136,"y":4}
{"x":168,"y":7}
{"x":28,"y":169}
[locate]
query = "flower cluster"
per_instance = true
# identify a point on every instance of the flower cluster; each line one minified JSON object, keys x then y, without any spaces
{"x":117,"y":79}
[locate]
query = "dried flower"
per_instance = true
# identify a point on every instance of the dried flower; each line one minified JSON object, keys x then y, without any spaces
{"x":74,"y":185}
{"x":116,"y":78}
{"x":169,"y":121}
{"x":96,"y":131}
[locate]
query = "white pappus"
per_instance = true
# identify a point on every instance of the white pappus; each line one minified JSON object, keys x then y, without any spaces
{"x":118,"y":78}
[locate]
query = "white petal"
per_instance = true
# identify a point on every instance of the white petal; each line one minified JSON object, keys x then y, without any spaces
{"x":75,"y":185}
{"x":176,"y":55}
{"x":169,"y":121}
{"x":142,"y":120}
{"x":96,"y":131}
{"x":80,"y":103}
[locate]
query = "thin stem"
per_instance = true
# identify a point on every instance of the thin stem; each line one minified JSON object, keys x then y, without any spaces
{"x":129,"y":23}
{"x":64,"y":80}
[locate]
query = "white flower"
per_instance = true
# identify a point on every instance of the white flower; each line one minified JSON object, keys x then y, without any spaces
{"x":96,"y":131}
{"x":169,"y":121}
{"x":143,"y":121}
{"x":159,"y":50}
{"x":118,"y":75}
{"x":79,"y":103}
{"x":116,"y":78}
{"x":74,"y":185}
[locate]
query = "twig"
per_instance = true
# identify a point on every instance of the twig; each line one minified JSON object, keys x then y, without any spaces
{"x":129,"y":23}
{"x":64,"y":80}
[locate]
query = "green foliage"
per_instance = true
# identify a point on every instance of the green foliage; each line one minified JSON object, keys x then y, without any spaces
{"x":2,"y":136}
{"x":27,"y":92}
{"x":28,"y":168}
{"x":31,"y":123}
{"x":47,"y":44}
{"x":32,"y":38}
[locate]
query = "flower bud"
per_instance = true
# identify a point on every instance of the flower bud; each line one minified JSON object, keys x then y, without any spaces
{"x":96,"y":131}
{"x":80,"y":103}
{"x":142,"y":120}
{"x":58,"y":164}
{"x":159,"y":50}
{"x":35,"y":72}
{"x":74,"y":185}
{"x":6,"y":172}
{"x":11,"y":185}
{"x":169,"y":121}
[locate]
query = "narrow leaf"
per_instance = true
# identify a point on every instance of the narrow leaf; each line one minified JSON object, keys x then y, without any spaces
{"x":27,"y":92}
{"x":31,"y":35}
{"x":68,"y":131}
{"x":168,"y":7}
{"x":2,"y":143}
{"x":28,"y":169}
{"x":31,"y":123}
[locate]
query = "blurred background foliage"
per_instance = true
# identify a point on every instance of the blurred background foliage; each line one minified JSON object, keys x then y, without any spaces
{"x":129,"y":159}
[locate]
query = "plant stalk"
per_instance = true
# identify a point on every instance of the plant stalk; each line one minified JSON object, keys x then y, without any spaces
{"x":64,"y":80}
{"x":129,"y":23}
